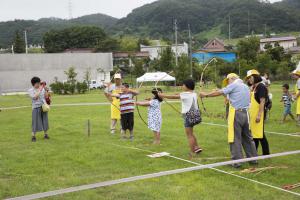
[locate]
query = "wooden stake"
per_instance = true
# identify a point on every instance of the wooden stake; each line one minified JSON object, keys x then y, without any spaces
{"x":88,"y":128}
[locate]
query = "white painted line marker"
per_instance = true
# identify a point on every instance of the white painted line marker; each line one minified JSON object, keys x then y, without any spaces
{"x":159,"y":174}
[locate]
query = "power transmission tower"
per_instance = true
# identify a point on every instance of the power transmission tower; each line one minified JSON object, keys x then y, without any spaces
{"x":176,"y":42}
{"x":70,"y":8}
{"x":191,"y":51}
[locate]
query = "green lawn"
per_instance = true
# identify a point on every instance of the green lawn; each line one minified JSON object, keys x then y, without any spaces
{"x":70,"y":158}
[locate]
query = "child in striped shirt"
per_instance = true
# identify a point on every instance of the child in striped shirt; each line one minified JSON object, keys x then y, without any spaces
{"x":287,"y":102}
{"x":127,"y":109}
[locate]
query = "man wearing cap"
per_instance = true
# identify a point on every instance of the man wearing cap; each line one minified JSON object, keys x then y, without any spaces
{"x":296,"y":75}
{"x":239,"y":135}
{"x":115,"y":102}
{"x":259,"y":97}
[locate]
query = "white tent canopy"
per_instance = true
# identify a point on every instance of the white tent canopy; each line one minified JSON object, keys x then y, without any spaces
{"x":156,"y":76}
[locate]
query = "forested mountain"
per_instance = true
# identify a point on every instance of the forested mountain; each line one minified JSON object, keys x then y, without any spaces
{"x":36,"y":29}
{"x":156,"y":19}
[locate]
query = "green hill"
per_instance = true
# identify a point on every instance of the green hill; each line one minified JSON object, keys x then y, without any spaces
{"x":156,"y":19}
{"x":36,"y":29}
{"x":208,"y":18}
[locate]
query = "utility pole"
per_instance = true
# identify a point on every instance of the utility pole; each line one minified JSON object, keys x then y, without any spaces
{"x":191,"y":51}
{"x":70,"y":8}
{"x":26,"y":42}
{"x":248,"y":22}
{"x":265,"y":30}
{"x":176,"y":42}
{"x":229,"y":28}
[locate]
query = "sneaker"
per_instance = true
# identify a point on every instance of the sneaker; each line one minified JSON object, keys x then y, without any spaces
{"x":253,"y":163}
{"x":131,"y":138}
{"x":46,"y":137}
{"x":33,"y":139}
{"x":236,"y":166}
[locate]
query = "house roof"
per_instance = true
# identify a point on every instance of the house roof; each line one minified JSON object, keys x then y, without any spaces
{"x":79,"y":50}
{"x":142,"y":54}
{"x":214,"y":45}
{"x":277,"y":39}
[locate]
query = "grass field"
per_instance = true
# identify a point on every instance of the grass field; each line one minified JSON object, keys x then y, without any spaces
{"x":70,"y":158}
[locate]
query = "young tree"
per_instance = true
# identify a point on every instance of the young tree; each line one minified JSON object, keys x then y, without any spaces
{"x":138,"y":69}
{"x":19,"y":44}
{"x":166,"y":60}
{"x":87,"y":76}
{"x":71,"y":75}
{"x":182,"y":71}
{"x":248,"y":49}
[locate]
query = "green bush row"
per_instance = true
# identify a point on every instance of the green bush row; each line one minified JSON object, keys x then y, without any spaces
{"x":69,"y":88}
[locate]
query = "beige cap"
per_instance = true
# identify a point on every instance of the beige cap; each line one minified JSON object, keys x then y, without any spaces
{"x":117,"y":76}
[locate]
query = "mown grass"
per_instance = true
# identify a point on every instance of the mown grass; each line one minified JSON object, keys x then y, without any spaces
{"x":70,"y":158}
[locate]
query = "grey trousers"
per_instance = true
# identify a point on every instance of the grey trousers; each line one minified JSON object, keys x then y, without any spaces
{"x":242,"y":137}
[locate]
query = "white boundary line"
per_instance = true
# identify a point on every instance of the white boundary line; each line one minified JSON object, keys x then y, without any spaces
{"x":160,"y":174}
{"x":218,"y":170}
{"x":97,"y":104}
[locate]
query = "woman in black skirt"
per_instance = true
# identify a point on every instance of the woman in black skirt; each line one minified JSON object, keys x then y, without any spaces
{"x":39,"y":118}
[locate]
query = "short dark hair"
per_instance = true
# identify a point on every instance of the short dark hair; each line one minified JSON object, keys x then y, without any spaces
{"x":257,"y":78}
{"x":35,"y":80}
{"x":189,"y":83}
{"x":155,"y":93}
{"x":126,"y":85}
{"x":286,"y":86}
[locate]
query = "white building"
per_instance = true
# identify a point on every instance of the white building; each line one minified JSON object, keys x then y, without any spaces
{"x":285,"y":42}
{"x":155,"y":51}
{"x":16,"y":70}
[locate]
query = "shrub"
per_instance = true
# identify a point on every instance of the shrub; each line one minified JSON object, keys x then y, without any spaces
{"x":69,"y":88}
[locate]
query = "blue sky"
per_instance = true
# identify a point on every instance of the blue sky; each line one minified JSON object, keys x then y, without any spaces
{"x":35,"y":9}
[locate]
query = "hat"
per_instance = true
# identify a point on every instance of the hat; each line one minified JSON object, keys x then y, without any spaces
{"x":117,"y":76}
{"x":229,"y":76}
{"x":296,"y":72}
{"x":252,"y":72}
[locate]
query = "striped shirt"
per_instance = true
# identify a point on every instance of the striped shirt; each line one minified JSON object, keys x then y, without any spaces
{"x":126,"y":103}
{"x":287,"y":99}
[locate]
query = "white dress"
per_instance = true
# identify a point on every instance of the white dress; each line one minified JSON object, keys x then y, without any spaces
{"x":154,"y":116}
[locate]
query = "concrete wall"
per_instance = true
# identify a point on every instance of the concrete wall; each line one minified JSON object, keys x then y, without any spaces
{"x":17,"y":70}
{"x":285,"y":44}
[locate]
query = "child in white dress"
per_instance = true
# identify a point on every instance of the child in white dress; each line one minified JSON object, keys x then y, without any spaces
{"x":154,"y":114}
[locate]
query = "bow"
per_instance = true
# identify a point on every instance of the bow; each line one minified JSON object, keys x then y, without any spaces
{"x":155,"y":86}
{"x":201,"y":81}
{"x":137,"y":107}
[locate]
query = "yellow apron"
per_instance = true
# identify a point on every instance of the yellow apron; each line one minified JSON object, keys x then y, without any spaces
{"x":297,"y":101}
{"x":115,"y":106}
{"x":231,"y":116}
{"x":257,"y":129}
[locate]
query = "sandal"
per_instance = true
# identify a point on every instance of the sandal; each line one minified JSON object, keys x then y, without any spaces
{"x":198,"y":150}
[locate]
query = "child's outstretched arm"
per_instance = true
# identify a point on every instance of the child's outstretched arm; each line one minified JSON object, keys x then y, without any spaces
{"x":134,"y":92}
{"x":174,"y":96}
{"x":146,"y":103}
